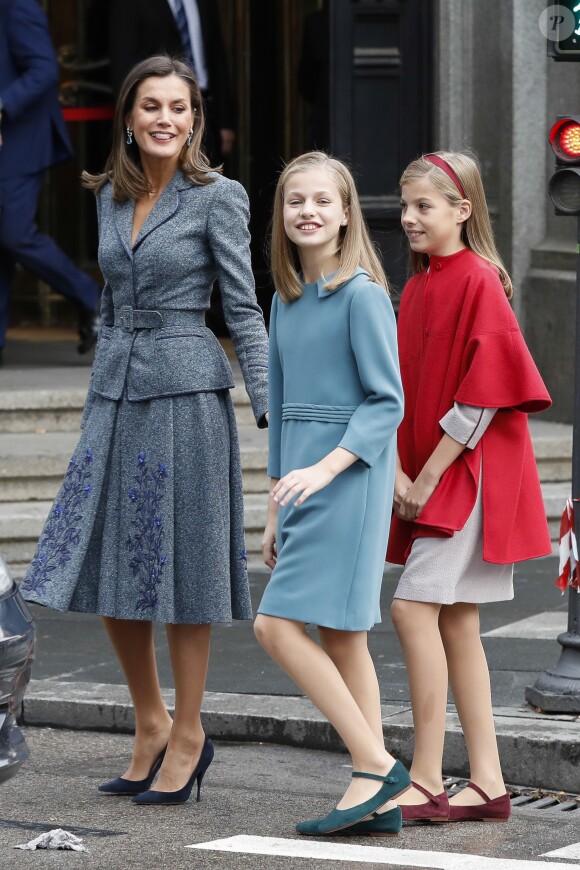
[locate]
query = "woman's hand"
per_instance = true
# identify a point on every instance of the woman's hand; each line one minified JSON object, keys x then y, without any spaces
{"x":402,"y":484}
{"x":302,"y":482}
{"x":417,"y":496}
{"x":269,"y":550}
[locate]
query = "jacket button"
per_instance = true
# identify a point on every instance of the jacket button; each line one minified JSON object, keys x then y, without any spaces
{"x":437,"y":267}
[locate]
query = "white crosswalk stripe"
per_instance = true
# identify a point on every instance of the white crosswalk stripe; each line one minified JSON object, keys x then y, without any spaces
{"x":572,"y":851}
{"x":314,"y":849}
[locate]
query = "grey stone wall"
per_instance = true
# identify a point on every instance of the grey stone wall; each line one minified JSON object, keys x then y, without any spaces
{"x":498,"y":94}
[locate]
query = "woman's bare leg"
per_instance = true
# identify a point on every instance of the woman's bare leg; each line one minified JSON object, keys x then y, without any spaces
{"x":287,"y":642}
{"x":350,"y":653}
{"x":469,"y":678}
{"x":417,"y":626}
{"x":189,"y":650}
{"x":132,"y":641}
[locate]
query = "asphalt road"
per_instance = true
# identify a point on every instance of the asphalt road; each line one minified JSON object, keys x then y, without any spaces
{"x":254,"y":791}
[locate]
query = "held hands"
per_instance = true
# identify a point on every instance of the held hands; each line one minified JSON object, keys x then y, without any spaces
{"x":402,"y":483}
{"x":302,"y":482}
{"x":414,"y":497}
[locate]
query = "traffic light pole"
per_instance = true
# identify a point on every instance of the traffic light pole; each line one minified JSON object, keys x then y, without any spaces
{"x":558,"y":690}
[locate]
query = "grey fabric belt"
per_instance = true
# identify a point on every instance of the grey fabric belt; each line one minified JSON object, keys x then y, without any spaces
{"x":129,"y":319}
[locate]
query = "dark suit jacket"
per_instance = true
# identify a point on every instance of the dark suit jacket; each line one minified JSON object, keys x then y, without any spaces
{"x":33,"y":130}
{"x":140,"y":28}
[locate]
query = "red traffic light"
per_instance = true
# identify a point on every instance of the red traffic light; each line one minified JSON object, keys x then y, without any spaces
{"x":565,"y":139}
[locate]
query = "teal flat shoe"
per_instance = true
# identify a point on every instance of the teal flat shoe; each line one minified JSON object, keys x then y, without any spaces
{"x":395,"y":783}
{"x":387,"y":824}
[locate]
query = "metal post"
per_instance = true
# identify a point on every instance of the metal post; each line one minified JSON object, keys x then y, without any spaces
{"x":558,"y":690}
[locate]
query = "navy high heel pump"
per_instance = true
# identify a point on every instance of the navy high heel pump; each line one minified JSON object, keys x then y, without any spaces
{"x":123,"y":786}
{"x":151,"y":797}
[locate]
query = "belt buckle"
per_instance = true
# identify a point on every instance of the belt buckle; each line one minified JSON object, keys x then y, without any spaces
{"x":127,"y":320}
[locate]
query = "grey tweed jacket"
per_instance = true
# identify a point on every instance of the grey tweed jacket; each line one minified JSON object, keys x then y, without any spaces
{"x":153,"y":340}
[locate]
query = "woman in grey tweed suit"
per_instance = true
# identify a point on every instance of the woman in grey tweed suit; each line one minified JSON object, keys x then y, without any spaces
{"x":148,"y":524}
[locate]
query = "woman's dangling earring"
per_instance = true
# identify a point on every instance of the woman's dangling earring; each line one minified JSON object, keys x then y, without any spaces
{"x":190,"y":137}
{"x":129,"y":136}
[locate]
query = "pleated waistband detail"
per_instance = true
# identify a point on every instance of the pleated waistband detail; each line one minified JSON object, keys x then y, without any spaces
{"x":320,"y":413}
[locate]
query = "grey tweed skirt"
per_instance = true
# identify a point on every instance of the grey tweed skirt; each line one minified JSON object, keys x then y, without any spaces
{"x":148,"y":523}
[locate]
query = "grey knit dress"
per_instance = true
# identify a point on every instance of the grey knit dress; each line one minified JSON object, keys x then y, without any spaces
{"x":452,"y":570}
{"x":148,"y":523}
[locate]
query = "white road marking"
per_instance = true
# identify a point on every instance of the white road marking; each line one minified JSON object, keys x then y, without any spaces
{"x":542,"y":626}
{"x":572,"y":851}
{"x":280,"y":847}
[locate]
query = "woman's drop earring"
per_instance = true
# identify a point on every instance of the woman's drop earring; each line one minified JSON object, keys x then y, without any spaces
{"x":129,"y":136}
{"x":190,"y":137}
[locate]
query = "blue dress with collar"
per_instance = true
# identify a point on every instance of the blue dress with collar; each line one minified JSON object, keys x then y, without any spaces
{"x":333,"y":381}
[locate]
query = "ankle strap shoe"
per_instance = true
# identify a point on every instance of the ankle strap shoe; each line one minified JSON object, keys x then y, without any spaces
{"x":493,"y":810}
{"x":435,"y":810}
{"x":395,"y":783}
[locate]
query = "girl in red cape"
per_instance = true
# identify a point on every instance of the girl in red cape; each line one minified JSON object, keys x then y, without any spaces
{"x":467,"y":501}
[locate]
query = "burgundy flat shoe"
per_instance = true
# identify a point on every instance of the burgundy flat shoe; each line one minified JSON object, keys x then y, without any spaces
{"x":435,"y":810}
{"x":493,"y":810}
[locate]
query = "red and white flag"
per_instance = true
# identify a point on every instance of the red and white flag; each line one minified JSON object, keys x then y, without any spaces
{"x":569,"y":574}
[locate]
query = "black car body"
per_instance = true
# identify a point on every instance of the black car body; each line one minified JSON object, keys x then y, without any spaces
{"x":17,"y":635}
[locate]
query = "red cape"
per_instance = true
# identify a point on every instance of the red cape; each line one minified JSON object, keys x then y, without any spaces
{"x":460,"y":341}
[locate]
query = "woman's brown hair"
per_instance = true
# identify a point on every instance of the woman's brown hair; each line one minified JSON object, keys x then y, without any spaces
{"x":477,"y":232}
{"x":123,"y":167}
{"x":355,"y":246}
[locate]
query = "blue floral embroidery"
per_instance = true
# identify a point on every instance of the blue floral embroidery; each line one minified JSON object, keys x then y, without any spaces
{"x":147,"y":542}
{"x":61,"y":533}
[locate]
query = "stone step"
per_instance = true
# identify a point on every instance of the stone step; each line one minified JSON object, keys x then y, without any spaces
{"x":49,"y":411}
{"x":32,"y":465}
{"x":555,"y":496}
{"x":60,"y":410}
{"x":21,"y":524}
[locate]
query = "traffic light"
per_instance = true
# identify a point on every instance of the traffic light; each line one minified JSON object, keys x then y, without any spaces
{"x":564,"y":185}
{"x":561,"y":25}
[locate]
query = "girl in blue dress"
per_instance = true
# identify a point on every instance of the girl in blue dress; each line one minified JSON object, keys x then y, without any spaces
{"x":335,"y":402}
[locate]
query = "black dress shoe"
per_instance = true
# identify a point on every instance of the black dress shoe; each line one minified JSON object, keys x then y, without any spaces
{"x":1,"y":352}
{"x":89,"y":322}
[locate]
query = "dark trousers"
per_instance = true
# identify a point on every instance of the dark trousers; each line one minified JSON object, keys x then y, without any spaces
{"x":21,"y":242}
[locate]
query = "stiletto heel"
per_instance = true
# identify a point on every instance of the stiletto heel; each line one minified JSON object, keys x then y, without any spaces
{"x":152,"y":798}
{"x":121,"y":786}
{"x":395,"y":783}
{"x":199,"y":781}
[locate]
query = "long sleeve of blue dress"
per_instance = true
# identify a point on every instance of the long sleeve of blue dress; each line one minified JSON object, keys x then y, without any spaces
{"x":374,"y":343}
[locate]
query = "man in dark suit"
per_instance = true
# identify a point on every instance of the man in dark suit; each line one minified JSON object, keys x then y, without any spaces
{"x":33,"y":137}
{"x":190,"y":29}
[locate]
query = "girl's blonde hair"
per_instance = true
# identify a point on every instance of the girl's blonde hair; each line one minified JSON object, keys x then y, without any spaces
{"x":123,"y":167}
{"x":355,"y":247}
{"x":476,"y":232}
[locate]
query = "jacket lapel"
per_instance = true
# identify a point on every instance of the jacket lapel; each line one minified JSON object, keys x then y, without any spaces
{"x":164,"y":208}
{"x":162,"y":211}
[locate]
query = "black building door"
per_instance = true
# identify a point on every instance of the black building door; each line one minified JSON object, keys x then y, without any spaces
{"x":380,"y":105}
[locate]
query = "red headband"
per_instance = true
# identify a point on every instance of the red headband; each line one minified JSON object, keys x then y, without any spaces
{"x":442,"y":164}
